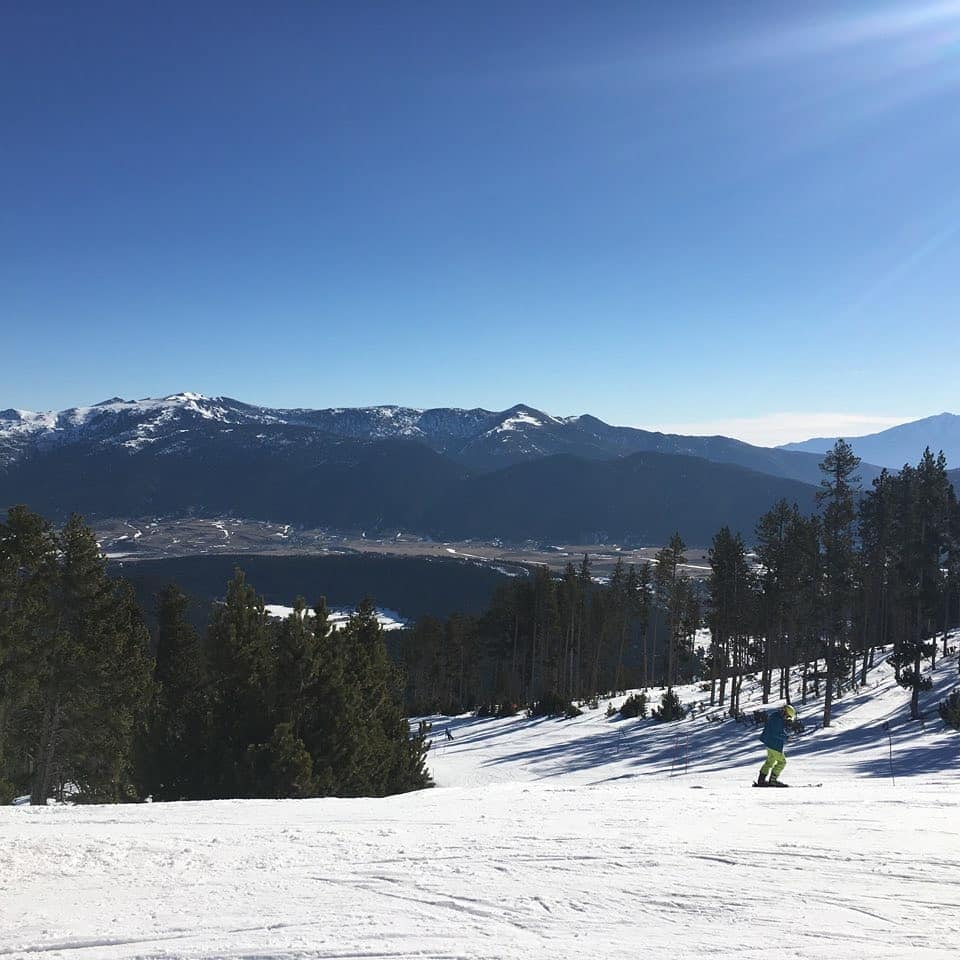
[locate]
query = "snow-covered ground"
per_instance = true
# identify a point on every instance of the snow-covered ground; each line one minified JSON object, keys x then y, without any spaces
{"x":591,"y":837}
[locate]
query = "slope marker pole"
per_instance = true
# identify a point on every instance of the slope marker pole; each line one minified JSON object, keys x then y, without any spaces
{"x":886,"y":726}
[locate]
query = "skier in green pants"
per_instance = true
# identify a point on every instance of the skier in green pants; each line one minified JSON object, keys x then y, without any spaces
{"x":774,"y":738}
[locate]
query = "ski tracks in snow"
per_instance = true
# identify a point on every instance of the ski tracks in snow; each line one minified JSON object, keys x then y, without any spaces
{"x":637,"y":867}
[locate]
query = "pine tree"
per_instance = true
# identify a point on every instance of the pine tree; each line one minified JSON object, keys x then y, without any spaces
{"x":877,"y":524}
{"x":283,"y":767}
{"x":570,"y":609}
{"x":771,"y":549}
{"x":82,"y":664}
{"x":123,"y":677}
{"x":837,"y":499}
{"x":380,"y":756}
{"x":804,"y":603}
{"x":730,"y":591}
{"x":298,"y":664}
{"x":176,"y":762}
{"x":241,"y":673}
{"x":671,"y":708}
{"x":924,"y":535}
{"x":670,"y":592}
{"x":332,"y":722}
{"x":29,"y":628}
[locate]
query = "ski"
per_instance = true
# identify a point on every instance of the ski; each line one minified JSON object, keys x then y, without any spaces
{"x":793,"y":786}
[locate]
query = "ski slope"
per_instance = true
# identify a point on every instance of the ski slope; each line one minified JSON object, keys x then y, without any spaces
{"x":587,"y":837}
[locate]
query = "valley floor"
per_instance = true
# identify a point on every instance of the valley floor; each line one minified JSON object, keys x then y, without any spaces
{"x":545,"y":839}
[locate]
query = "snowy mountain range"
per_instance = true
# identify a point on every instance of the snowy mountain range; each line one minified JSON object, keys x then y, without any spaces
{"x":898,"y":445}
{"x":516,"y":474}
{"x":478,"y":439}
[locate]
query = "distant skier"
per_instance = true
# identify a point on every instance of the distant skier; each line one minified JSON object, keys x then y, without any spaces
{"x":774,"y":738}
{"x":448,"y":733}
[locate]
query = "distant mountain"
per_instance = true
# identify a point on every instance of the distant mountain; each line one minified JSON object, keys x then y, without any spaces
{"x":642,"y":498}
{"x":481,"y":440}
{"x":899,"y":445}
{"x":446,"y":473}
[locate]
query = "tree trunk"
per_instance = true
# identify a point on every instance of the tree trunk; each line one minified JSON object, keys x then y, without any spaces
{"x":623,"y":639}
{"x":48,"y":749}
{"x":766,"y":676}
{"x":915,"y":698}
{"x":828,"y":691}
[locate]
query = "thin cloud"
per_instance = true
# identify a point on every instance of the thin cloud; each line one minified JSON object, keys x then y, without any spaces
{"x":774,"y":429}
{"x":901,"y":23}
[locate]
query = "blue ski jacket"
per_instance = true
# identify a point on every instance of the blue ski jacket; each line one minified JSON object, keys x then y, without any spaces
{"x":774,"y":734}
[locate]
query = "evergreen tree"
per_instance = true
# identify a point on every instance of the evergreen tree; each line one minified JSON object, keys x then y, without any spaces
{"x":643,"y":607}
{"x":877,"y":564}
{"x":29,"y":627}
{"x":804,"y":603}
{"x":332,"y":721}
{"x":670,"y":593}
{"x":772,"y":543}
{"x":176,"y":763}
{"x":570,"y":611}
{"x":290,"y":770}
{"x":730,"y":590}
{"x":382,"y":757}
{"x":94,"y":678}
{"x":671,"y":708}
{"x":837,"y":499}
{"x":298,"y":664}
{"x":923,"y":546}
{"x":241,"y":673}
{"x":73,"y":664}
{"x":122,"y":678}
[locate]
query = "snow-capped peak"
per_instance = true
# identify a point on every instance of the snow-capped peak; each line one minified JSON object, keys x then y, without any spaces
{"x":519,"y":417}
{"x":186,"y":397}
{"x":187,"y":416}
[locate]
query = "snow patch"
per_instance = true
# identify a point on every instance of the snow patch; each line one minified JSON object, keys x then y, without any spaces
{"x":388,"y":619}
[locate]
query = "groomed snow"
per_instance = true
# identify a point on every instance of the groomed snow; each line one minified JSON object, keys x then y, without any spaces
{"x":592,"y":838}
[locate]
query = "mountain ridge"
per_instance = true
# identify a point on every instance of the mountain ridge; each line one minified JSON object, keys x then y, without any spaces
{"x":479,"y":439}
{"x":448,"y":473}
{"x":897,"y":445}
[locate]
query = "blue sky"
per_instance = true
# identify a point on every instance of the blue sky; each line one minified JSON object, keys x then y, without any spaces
{"x":721,"y":216}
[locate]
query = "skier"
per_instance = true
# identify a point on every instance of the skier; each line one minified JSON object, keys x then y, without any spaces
{"x":448,"y":733}
{"x":774,"y":738}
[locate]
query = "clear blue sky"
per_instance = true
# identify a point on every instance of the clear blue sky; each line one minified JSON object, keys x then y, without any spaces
{"x":660,"y":213}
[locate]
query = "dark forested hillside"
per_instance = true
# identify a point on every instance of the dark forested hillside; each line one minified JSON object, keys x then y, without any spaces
{"x":395,"y":484}
{"x":640,"y":499}
{"x":303,"y":479}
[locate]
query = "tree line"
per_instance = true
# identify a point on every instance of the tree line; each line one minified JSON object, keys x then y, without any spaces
{"x":560,"y":638}
{"x":93,"y":705}
{"x":823,"y":592}
{"x":250,"y":706}
{"x":871,"y":569}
